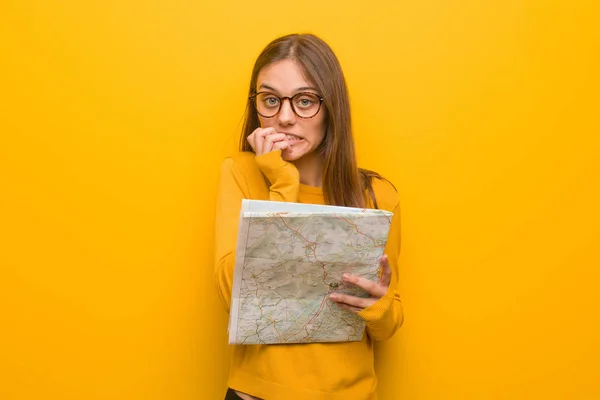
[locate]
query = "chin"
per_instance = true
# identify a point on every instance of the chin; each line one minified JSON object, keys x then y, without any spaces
{"x":291,"y":157}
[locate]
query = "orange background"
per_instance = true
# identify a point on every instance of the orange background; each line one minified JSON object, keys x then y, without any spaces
{"x":115,"y":116}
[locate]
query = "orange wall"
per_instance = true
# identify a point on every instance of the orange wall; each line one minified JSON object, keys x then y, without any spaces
{"x":115,"y":115}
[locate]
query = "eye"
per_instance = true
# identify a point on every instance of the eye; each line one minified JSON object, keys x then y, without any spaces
{"x":306,"y":101}
{"x":271,"y":101}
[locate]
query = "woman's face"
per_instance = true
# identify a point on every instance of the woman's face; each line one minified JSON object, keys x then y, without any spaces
{"x":285,"y":78}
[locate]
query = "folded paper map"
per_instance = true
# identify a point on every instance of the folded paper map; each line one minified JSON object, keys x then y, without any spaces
{"x":289,"y":258}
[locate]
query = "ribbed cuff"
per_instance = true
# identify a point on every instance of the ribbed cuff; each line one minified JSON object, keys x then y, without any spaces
{"x":376,"y":311}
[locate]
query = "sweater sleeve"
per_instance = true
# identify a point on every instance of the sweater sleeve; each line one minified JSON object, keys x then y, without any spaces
{"x":234,"y":185}
{"x":283,"y":176}
{"x":385,"y":316}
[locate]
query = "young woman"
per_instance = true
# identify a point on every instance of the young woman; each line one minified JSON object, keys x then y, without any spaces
{"x":297,"y":146}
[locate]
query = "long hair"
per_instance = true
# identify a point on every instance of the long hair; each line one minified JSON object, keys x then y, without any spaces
{"x":344,"y":184}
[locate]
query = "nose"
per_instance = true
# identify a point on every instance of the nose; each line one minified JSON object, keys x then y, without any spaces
{"x":286,"y":115}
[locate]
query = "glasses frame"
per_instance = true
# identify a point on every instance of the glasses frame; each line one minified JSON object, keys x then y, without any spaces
{"x":289,"y":98}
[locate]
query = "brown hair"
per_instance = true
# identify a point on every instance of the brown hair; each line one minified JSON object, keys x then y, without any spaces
{"x":344,"y":184}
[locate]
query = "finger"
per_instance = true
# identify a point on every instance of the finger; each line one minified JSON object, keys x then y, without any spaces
{"x":373,"y":288}
{"x":251,"y":139}
{"x":386,"y":271}
{"x":259,"y":141}
{"x":272,"y":139}
{"x":353,"y":301}
{"x":355,"y":310}
{"x":282,"y":146}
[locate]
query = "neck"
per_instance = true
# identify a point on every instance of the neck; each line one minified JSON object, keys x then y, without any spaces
{"x":310,"y":168}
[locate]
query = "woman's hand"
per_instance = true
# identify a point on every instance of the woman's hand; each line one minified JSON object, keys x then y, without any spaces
{"x":376,"y":289}
{"x":265,"y":140}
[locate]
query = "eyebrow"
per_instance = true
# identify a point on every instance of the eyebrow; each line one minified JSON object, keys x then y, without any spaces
{"x":300,"y":89}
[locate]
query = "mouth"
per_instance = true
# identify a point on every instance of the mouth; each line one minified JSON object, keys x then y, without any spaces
{"x":293,"y":138}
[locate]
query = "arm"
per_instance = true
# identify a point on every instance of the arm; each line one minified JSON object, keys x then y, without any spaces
{"x":234,"y":185}
{"x":385,"y":316}
{"x":382,"y":311}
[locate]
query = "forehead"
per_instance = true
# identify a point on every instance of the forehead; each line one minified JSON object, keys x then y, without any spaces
{"x":284,"y":76}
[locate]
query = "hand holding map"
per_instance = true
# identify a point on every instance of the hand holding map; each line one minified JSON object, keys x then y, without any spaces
{"x":376,"y":289}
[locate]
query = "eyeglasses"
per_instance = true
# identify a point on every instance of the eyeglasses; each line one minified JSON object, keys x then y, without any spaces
{"x":304,"y":104}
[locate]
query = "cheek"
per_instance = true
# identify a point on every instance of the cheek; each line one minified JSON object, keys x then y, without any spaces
{"x":265,"y":123}
{"x":319,"y":127}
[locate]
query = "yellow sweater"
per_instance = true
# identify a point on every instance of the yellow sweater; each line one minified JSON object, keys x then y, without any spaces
{"x":299,"y":371}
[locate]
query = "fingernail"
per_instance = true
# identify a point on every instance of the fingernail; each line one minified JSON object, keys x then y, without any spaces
{"x":333,"y":296}
{"x":346,"y":276}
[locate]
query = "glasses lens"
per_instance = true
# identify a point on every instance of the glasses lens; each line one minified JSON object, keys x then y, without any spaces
{"x":306,"y":104}
{"x":267,"y":104}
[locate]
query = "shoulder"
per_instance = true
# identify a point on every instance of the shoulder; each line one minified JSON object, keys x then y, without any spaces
{"x":386,"y":194}
{"x":242,"y":168}
{"x":240,"y":164}
{"x":240,"y":159}
{"x":259,"y":167}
